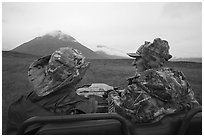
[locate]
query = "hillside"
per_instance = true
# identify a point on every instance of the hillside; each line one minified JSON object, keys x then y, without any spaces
{"x":110,"y":71}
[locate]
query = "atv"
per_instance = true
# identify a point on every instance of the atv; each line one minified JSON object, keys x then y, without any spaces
{"x":107,"y":123}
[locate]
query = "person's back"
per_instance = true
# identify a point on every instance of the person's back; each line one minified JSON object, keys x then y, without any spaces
{"x":154,"y":91}
{"x":54,"y":79}
{"x":153,"y":94}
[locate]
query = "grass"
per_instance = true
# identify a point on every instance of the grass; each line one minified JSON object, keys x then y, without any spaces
{"x":112,"y":72}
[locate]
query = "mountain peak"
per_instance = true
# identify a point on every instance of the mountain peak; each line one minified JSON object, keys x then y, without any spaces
{"x":50,"y":42}
{"x":60,"y":35}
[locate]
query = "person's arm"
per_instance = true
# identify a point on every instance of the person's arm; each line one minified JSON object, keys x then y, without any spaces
{"x":190,"y":99}
{"x":185,"y":99}
{"x":14,"y":120}
{"x":87,"y":106}
{"x":189,"y":94}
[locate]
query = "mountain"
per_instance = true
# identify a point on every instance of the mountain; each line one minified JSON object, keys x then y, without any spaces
{"x":106,"y":55}
{"x":52,"y":41}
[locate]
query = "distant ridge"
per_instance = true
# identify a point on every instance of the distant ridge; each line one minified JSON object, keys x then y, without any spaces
{"x":47,"y":44}
{"x":199,"y":60}
{"x":105,"y":55}
{"x":17,"y":54}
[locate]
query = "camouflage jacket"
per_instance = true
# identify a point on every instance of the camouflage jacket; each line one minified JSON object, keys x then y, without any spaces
{"x":57,"y":103}
{"x":152,"y":94}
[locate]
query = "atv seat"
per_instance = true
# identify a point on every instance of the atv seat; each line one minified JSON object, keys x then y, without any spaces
{"x":83,"y":124}
{"x":113,"y":124}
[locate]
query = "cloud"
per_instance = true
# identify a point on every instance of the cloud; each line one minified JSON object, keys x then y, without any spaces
{"x":111,"y":51}
{"x":101,"y":46}
{"x":4,"y":21}
{"x":121,"y":26}
{"x":182,"y":9}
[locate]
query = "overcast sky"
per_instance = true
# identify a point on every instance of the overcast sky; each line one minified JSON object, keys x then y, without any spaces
{"x":119,"y":27}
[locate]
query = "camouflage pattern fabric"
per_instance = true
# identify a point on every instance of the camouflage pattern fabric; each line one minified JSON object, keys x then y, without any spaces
{"x":54,"y":78}
{"x":159,"y":48}
{"x":152,"y":94}
{"x":64,"y":67}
